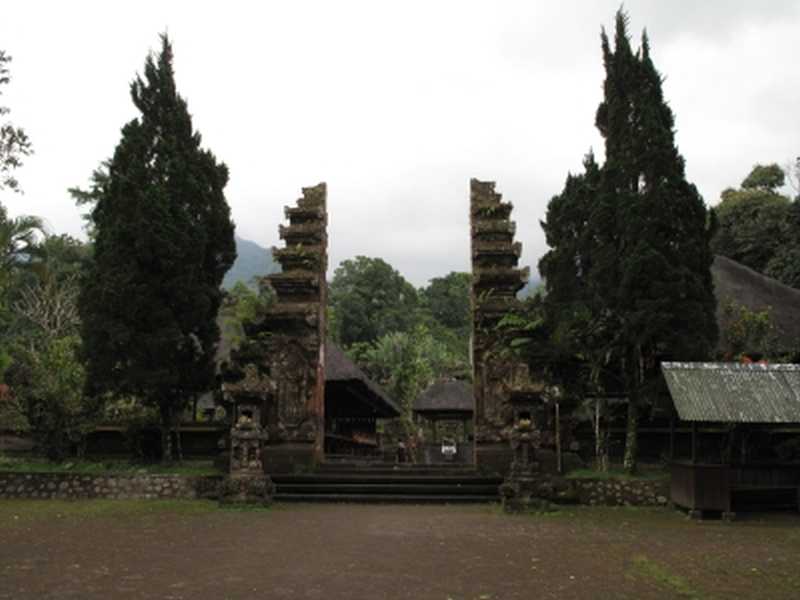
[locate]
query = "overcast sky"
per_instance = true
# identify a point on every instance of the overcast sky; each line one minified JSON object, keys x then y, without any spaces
{"x":396,"y":105}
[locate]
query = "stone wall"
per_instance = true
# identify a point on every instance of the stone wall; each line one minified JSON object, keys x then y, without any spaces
{"x":75,"y":486}
{"x":611,"y":492}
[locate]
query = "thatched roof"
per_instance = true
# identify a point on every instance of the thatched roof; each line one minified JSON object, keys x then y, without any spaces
{"x":446,"y":396}
{"x":339,"y":368}
{"x":734,"y":393}
{"x":743,"y":286}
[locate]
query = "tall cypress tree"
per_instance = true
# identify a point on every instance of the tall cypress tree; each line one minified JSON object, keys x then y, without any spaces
{"x":643,"y":264}
{"x":657,"y":282}
{"x":163,"y":242}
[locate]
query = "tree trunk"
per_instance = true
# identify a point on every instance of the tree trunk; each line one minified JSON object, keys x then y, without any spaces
{"x":559,"y":463}
{"x":600,"y":436}
{"x":178,"y":440}
{"x":166,"y":434}
{"x":631,"y":437}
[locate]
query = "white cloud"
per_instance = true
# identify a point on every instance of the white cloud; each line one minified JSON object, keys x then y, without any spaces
{"x":396,"y":105}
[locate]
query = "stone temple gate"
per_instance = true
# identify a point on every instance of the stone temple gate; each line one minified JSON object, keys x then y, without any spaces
{"x":281,"y":365}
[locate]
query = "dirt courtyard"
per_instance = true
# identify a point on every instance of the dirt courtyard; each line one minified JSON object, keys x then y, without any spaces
{"x":193,"y":550}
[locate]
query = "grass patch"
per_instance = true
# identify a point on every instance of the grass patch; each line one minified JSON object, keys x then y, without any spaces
{"x":21,"y":465}
{"x":619,"y":474}
{"x":23,"y":512}
{"x":661,"y":576}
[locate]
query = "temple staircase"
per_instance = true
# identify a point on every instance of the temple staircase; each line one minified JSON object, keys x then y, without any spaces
{"x":412,"y":484}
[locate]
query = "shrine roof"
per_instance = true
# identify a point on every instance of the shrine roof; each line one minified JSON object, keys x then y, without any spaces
{"x":447,"y":395}
{"x":733,"y":392}
{"x":339,"y":368}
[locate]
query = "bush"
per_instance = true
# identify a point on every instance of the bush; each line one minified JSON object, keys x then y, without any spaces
{"x":47,"y":384}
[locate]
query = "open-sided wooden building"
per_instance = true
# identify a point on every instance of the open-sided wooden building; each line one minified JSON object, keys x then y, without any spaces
{"x":745,"y":435}
{"x":353,"y":404}
{"x":445,"y":410}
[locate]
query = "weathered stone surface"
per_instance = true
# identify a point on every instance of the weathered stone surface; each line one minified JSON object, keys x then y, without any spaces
{"x":246,"y":489}
{"x":607,"y":492}
{"x":495,"y":283}
{"x":280,"y":367}
{"x":68,"y":486}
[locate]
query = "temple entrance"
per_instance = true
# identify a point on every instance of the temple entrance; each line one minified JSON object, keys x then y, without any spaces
{"x":323,"y":407}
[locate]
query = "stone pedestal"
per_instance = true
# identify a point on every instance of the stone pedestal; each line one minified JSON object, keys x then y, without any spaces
{"x":246,"y":482}
{"x":246,"y":490}
{"x":526,"y":488}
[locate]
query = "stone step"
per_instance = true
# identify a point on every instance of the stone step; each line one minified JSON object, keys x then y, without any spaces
{"x":389,"y":469}
{"x":404,"y":489}
{"x":377,"y":478}
{"x":387,"y":498}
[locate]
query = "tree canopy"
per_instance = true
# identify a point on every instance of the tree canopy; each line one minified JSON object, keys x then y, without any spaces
{"x":760,"y":227}
{"x":163,"y":242}
{"x":447,"y":299}
{"x":368,"y":299}
{"x":14,"y":142}
{"x":629,"y":240}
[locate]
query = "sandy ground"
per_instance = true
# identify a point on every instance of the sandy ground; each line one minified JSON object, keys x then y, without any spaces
{"x":193,"y":550}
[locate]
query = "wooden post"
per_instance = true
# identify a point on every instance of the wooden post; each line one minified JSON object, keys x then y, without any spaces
{"x":597,"y":458}
{"x":672,"y":438}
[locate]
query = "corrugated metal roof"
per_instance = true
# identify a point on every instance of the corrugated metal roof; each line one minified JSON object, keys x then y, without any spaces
{"x":733,"y":392}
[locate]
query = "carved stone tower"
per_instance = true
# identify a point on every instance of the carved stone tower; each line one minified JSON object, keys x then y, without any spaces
{"x":495,"y":283}
{"x":293,"y":337}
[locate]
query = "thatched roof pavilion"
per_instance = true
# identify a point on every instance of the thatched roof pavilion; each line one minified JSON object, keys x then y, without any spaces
{"x":733,"y":282}
{"x":447,"y":398}
{"x":343,"y":375}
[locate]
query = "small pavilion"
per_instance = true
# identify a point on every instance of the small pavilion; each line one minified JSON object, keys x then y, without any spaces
{"x":444,"y":412}
{"x":745,"y":435}
{"x":353,"y":404}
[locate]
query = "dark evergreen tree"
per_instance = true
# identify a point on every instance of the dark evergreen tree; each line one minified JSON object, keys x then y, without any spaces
{"x":657,"y":280}
{"x":636,"y":255}
{"x":163,"y":242}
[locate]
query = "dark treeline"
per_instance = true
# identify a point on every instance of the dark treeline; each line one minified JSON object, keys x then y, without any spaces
{"x":125,"y":326}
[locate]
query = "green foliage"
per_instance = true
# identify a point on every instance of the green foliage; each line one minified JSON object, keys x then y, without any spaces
{"x":447,"y":299}
{"x":242,"y":306}
{"x":98,"y":185}
{"x":747,"y":333}
{"x":14,"y":142}
{"x":765,"y":178}
{"x":17,"y":243}
{"x":48,"y":382}
{"x":12,"y":412}
{"x":628,"y":274}
{"x":246,"y":305}
{"x":138,"y":423}
{"x":40,"y":337}
{"x":369,"y":299}
{"x":759,"y":227}
{"x":405,"y":363}
{"x":660,"y":574}
{"x":163,"y":242}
